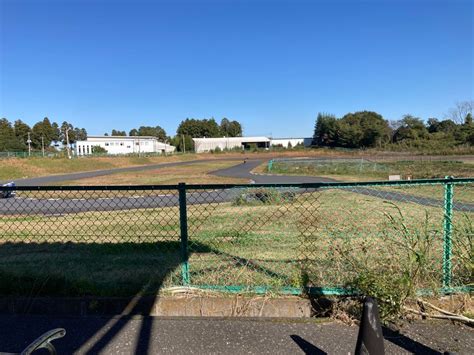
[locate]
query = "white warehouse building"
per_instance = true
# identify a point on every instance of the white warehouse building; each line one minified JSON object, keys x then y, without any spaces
{"x":123,"y":145}
{"x":202,"y":145}
{"x":291,"y":142}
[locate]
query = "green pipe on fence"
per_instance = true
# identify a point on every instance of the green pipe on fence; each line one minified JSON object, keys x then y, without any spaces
{"x":183,"y":223}
{"x":270,"y":165}
{"x":447,"y":233}
{"x":327,"y":185}
{"x":320,"y":291}
{"x":316,"y":291}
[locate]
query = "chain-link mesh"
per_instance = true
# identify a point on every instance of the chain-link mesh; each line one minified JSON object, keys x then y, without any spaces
{"x":249,"y":237}
{"x":326,"y":166}
{"x":462,"y":248}
{"x":89,"y":242}
{"x":116,"y":241}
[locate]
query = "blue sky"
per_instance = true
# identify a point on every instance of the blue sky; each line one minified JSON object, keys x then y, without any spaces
{"x":272,"y":65}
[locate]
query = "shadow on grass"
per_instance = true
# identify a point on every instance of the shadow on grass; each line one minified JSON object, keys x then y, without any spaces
{"x":86,"y":269}
{"x":135,"y":272}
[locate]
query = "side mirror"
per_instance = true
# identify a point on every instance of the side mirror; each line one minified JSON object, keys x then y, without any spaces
{"x":44,"y":342}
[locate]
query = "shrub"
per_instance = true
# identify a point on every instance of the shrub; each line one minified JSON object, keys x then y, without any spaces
{"x":263,"y":196}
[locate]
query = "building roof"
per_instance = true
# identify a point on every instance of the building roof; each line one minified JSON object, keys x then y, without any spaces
{"x":233,"y":139}
{"x":122,"y":137}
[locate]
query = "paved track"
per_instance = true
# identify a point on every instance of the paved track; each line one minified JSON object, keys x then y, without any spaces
{"x":51,"y":179}
{"x":21,"y":205}
{"x":152,"y":335}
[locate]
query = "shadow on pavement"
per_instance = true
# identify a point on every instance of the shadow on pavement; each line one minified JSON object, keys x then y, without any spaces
{"x":306,"y":346}
{"x":404,"y":342}
{"x":135,"y":272}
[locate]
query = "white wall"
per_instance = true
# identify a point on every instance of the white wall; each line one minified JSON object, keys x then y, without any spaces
{"x":117,"y":145}
{"x":286,"y":141}
{"x":208,"y":145}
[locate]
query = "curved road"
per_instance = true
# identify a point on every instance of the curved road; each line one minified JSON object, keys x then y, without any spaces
{"x":21,"y":205}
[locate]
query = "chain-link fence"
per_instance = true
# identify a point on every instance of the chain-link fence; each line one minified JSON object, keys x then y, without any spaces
{"x":327,"y":166}
{"x":294,"y":238}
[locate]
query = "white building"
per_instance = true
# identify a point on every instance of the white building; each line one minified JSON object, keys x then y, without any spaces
{"x":202,"y":145}
{"x":123,"y":145}
{"x":285,"y":142}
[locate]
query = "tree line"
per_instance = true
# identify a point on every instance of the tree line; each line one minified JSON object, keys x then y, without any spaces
{"x":368,"y":129}
{"x":14,"y":136}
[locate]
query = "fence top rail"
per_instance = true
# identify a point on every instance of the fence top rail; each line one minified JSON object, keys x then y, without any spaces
{"x":230,"y":186}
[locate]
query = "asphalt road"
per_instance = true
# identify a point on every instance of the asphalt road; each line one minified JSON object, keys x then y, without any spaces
{"x":142,"y":335}
{"x":51,"y":179}
{"x":140,"y":199}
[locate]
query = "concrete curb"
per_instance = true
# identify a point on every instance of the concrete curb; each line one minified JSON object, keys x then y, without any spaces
{"x":163,"y":306}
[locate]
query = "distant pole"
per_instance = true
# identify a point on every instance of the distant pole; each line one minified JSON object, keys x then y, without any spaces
{"x":29,"y":144}
{"x":184,"y":144}
{"x":139,"y":148}
{"x":67,"y":143}
{"x":42,"y":145}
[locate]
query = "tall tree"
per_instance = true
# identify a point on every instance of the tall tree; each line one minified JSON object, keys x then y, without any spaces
{"x":468,"y":119}
{"x":365,"y":129}
{"x":42,"y":132}
{"x":74,"y":133}
{"x":56,"y":132}
{"x":199,"y":128}
{"x":324,"y":130}
{"x":411,"y":128}
{"x":230,"y":128}
{"x":21,"y":132}
{"x":157,"y":132}
{"x":118,"y":133}
{"x":459,"y":112}
{"x":8,"y":140}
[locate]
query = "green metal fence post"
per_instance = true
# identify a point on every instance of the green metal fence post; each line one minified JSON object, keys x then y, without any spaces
{"x":270,"y":164}
{"x":183,"y":222}
{"x":447,"y":232}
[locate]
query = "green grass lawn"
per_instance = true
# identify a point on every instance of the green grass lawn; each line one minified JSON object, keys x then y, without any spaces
{"x":368,"y":171}
{"x":319,"y":238}
{"x":363,"y":169}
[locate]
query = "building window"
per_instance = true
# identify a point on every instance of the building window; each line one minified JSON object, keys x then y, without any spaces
{"x":106,"y":144}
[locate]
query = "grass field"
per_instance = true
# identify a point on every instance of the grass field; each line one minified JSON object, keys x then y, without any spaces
{"x":368,"y":170}
{"x":17,"y":168}
{"x":320,"y":238}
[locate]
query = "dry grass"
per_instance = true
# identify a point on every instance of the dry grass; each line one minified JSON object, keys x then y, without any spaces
{"x":198,"y":173}
{"x":321,"y":238}
{"x":16,"y":168}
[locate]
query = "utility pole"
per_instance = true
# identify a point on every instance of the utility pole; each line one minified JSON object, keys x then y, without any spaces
{"x":67,"y":143}
{"x":42,"y":145}
{"x":184,"y":144}
{"x":29,"y":144}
